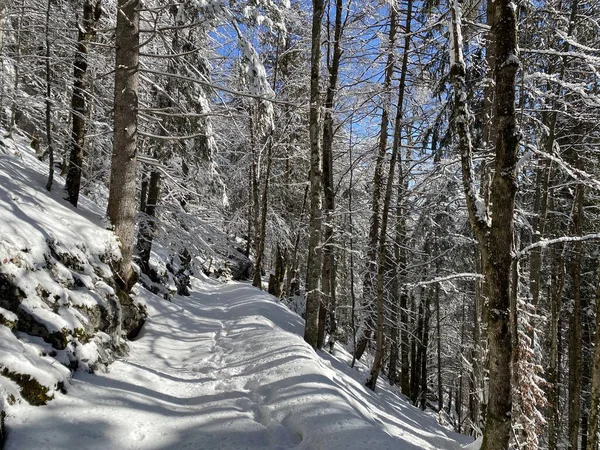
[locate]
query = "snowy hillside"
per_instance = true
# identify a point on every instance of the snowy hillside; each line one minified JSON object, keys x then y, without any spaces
{"x":225,"y":369}
{"x":58,"y":307}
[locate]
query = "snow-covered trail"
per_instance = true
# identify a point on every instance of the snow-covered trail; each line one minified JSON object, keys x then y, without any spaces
{"x":224,"y":369}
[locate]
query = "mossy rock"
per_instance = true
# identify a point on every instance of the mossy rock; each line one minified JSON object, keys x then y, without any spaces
{"x":11,"y":297}
{"x":82,"y":335}
{"x":10,"y":324}
{"x":32,"y":391}
{"x":133,"y":314}
{"x":69,"y":260}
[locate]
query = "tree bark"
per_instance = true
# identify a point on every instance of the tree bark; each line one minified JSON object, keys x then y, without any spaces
{"x":79,"y":101}
{"x":592,"y":443}
{"x":292,"y":272}
{"x":556,"y":293}
{"x":371,"y":271}
{"x":381,"y":257}
{"x":328,"y":301}
{"x":424,"y":345}
{"x":313,"y":278}
{"x":148,"y":223}
{"x":49,"y":102}
{"x":261,"y":235}
{"x":17,"y":67}
{"x":495,"y":238}
{"x":121,"y":199}
{"x":575,"y":328}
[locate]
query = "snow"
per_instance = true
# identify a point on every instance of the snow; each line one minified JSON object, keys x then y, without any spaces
{"x":56,"y":256}
{"x":456,"y":39}
{"x":225,"y":368}
{"x":475,"y":445}
{"x":22,"y":358}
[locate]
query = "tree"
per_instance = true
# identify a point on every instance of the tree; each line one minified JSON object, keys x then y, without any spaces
{"x":80,"y":98}
{"x":494,"y":229}
{"x":121,"y":199}
{"x":313,"y":271}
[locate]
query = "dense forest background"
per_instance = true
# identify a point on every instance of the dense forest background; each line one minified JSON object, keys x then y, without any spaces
{"x":418,"y":179}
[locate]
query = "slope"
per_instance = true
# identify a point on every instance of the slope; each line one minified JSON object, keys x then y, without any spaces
{"x":225,"y":368}
{"x":58,"y":308}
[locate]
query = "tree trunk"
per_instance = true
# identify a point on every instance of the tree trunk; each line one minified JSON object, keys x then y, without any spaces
{"x":328,"y":301}
{"x":556,"y":293}
{"x":276,"y":282}
{"x":495,"y":239}
{"x":292,"y":272}
{"x":351,"y":244}
{"x":148,"y":223}
{"x":17,"y":66}
{"x":262,"y":225}
{"x":438,"y":329}
{"x":313,"y":278}
{"x":418,"y":340}
{"x":592,"y":443}
{"x":121,"y":199}
{"x":424,"y":345}
{"x":575,"y":328}
{"x":381,"y":257}
{"x":458,"y":401}
{"x":376,"y":198}
{"x":503,"y":191}
{"x":79,"y":101}
{"x":49,"y":102}
{"x":255,"y":187}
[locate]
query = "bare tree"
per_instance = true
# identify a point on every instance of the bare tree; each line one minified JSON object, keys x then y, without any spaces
{"x":494,"y":228}
{"x":121,"y":199}
{"x":313,"y":275}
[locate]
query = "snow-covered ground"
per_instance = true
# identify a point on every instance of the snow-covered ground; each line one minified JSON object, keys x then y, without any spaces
{"x":225,"y":368}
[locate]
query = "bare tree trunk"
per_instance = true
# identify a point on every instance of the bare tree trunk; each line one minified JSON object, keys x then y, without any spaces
{"x":121,"y":199}
{"x":503,"y":191}
{"x":49,"y":102}
{"x":378,"y":360}
{"x":393,"y":375}
{"x":458,"y":401}
{"x":313,"y":278}
{"x":351,"y":244}
{"x":575,"y":328}
{"x":148,"y":223}
{"x":398,"y":318}
{"x":424,"y":345}
{"x":415,"y":378}
{"x":276,"y":281}
{"x":328,"y":301}
{"x":438,"y":329}
{"x":538,"y":226}
{"x":255,"y":188}
{"x":556,"y":293}
{"x":404,"y":345}
{"x":495,"y":239}
{"x":260,"y":238}
{"x":293,"y":269}
{"x":377,"y":188}
{"x":79,"y":100}
{"x":592,"y":443}
{"x":17,"y":66}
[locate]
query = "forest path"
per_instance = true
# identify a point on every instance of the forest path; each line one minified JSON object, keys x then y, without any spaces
{"x":225,"y":368}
